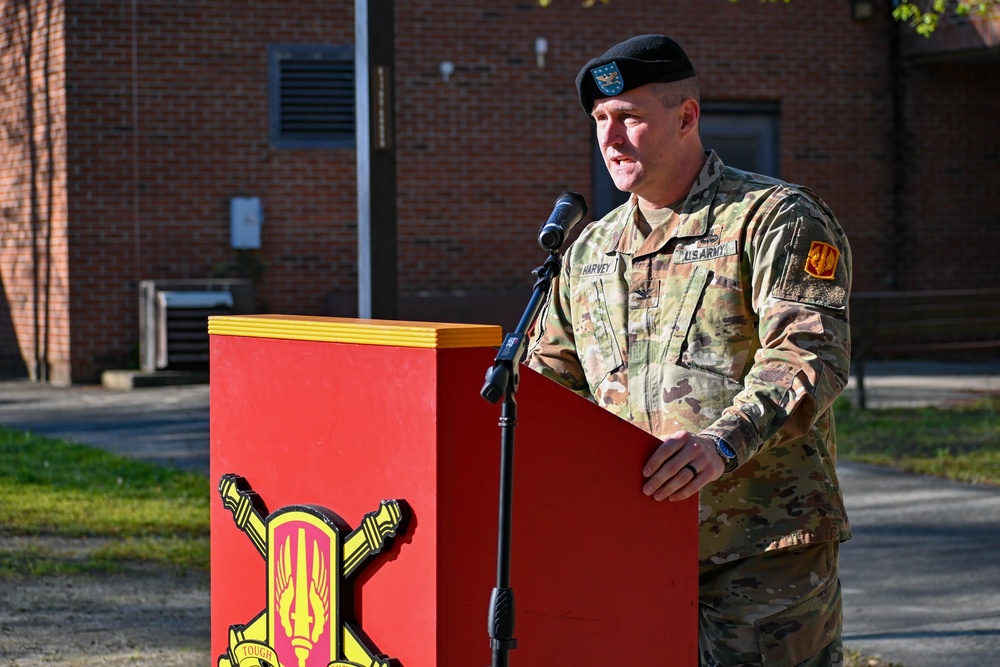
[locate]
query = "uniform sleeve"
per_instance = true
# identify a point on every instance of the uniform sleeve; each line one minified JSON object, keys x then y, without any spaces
{"x":800,"y":280}
{"x":551,"y":347}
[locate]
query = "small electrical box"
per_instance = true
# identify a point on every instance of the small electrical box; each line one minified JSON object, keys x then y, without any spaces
{"x":246,"y":216}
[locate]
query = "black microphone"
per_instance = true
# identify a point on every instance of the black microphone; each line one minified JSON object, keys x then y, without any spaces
{"x":569,"y":209}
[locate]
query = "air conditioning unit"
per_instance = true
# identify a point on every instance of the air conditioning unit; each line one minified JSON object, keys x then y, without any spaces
{"x":173,"y":319}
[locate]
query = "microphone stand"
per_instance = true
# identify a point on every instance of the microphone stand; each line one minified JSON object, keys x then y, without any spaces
{"x":501,"y":382}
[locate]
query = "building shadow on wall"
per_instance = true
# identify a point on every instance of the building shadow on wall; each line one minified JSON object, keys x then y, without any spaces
{"x":27,"y":32}
{"x":11,"y":363}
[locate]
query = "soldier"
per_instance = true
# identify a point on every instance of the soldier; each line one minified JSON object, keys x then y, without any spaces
{"x":711,"y":311}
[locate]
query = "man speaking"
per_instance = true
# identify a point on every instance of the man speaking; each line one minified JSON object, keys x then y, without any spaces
{"x":711,"y":311}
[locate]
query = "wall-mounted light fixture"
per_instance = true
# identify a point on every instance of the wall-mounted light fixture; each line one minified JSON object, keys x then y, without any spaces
{"x":447,"y":68}
{"x":862,"y":10}
{"x":541,"y":48}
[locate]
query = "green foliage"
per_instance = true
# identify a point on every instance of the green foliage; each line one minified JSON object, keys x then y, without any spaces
{"x":922,"y":15}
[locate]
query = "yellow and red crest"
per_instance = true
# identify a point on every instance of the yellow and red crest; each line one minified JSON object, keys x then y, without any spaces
{"x":821,"y":262}
{"x":301,"y":589}
{"x":310,"y":552}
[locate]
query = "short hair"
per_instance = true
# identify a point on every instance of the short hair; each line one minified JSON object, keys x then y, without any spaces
{"x":675,"y":92}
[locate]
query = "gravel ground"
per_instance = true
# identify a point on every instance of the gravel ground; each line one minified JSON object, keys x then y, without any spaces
{"x":141,"y":616}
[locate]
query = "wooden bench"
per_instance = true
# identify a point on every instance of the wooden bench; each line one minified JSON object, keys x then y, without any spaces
{"x":939,"y":323}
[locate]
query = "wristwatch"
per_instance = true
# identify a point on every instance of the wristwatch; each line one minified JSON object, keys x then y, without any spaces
{"x":727,"y":453}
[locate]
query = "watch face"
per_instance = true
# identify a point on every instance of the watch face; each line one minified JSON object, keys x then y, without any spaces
{"x":726,"y":450}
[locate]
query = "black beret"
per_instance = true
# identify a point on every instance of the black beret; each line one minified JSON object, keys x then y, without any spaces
{"x":633,"y":63}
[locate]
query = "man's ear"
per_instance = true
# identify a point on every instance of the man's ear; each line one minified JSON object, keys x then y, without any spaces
{"x":690,"y":113}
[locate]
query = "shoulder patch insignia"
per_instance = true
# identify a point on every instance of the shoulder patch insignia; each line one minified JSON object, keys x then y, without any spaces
{"x":821,"y":262}
{"x":609,"y":79}
{"x":815,"y":271}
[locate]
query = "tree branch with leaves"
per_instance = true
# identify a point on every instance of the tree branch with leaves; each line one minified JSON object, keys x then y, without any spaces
{"x":922,"y":15}
{"x":925,"y":16}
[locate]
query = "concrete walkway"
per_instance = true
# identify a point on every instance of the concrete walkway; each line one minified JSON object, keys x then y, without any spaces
{"x":167,"y":425}
{"x":921,"y":577}
{"x":918,"y":384}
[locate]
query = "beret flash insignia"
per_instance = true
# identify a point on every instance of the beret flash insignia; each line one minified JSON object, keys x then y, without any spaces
{"x":609,"y":79}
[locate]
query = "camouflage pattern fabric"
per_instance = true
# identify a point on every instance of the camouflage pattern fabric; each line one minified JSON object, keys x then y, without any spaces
{"x":731,"y":322}
{"x":779,"y":609}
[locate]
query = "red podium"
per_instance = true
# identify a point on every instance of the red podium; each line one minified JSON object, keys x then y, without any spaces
{"x":355,"y":519}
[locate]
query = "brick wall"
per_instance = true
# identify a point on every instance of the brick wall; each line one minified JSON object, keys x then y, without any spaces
{"x":34,"y":300}
{"x":159,"y":138}
{"x":950,"y":225}
{"x":491,"y":149}
{"x":151,"y":181}
{"x":916,"y":199}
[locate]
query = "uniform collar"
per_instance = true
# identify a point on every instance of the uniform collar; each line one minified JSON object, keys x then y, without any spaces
{"x":695,"y":212}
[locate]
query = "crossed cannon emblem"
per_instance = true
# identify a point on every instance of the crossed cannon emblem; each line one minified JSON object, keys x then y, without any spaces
{"x":310,"y":552}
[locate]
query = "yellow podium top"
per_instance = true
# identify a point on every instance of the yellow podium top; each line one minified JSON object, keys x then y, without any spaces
{"x":351,"y":330}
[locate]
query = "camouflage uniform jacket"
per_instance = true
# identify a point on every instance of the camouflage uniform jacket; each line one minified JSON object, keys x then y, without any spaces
{"x":735,"y":326}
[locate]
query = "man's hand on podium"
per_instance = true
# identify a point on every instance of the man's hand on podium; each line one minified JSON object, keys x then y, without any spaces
{"x":681,"y":466}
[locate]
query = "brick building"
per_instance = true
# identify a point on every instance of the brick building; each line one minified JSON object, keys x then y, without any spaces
{"x":128,"y":127}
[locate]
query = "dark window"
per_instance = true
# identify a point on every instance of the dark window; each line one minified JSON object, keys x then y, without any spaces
{"x":312,"y":96}
{"x":744,"y":135}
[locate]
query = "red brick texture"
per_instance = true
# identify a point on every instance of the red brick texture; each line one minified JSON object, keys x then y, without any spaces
{"x":34,"y":250}
{"x":154,"y":121}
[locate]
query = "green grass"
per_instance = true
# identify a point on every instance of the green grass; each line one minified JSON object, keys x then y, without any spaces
{"x":136,"y":511}
{"x":960,"y":442}
{"x":125,"y":511}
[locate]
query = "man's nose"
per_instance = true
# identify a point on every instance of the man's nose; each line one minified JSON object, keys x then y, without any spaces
{"x":611,"y":134}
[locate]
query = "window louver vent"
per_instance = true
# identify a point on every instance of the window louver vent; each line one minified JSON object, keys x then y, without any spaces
{"x":312,"y":97}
